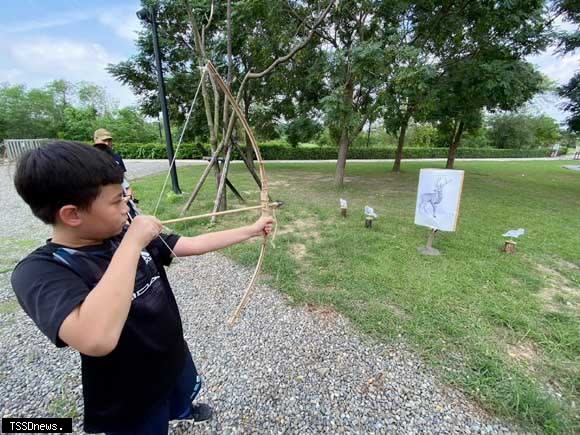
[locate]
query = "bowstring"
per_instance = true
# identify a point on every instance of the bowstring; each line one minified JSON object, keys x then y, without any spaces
{"x":159,"y":237}
{"x":273,"y":238}
{"x":204,"y":70}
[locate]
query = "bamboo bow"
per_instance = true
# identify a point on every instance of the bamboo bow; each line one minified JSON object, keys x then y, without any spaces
{"x":265,"y":205}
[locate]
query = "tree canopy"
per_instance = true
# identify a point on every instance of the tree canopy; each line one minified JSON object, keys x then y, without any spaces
{"x":69,"y":111}
{"x":568,"y":42}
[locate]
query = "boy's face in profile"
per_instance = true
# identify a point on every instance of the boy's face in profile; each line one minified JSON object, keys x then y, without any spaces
{"x":107,"y":215}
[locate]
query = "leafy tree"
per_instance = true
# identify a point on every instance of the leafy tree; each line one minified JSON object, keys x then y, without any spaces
{"x":267,"y":31}
{"x":181,"y":76}
{"x":128,"y":125}
{"x":93,"y":96}
{"x":67,"y":110}
{"x":479,"y":47}
{"x":571,"y":91}
{"x":522,"y":131}
{"x":79,"y":123}
{"x":569,"y":139}
{"x":569,"y":10}
{"x":26,"y":114}
{"x":63,"y":95}
{"x":302,"y":129}
{"x":422,"y":135}
{"x":472,"y":85}
{"x":409,"y":94}
{"x":361,"y":39}
{"x":477,"y":138}
{"x":12,"y":112}
{"x":511,"y":131}
{"x":546,"y":130}
{"x":261,"y":32}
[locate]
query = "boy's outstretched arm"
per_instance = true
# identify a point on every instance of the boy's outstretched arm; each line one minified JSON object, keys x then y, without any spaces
{"x":204,"y":243}
{"x":94,"y":327}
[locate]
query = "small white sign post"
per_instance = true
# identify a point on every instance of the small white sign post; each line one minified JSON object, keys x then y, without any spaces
{"x":438,"y":197}
{"x":343,"y":207}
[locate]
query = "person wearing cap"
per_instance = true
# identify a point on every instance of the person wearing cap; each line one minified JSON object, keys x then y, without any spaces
{"x":103,"y":140}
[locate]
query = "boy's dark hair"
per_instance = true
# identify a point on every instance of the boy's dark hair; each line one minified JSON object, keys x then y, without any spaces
{"x":60,"y":173}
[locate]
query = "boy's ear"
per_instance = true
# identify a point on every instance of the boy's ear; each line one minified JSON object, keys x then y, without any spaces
{"x":69,"y":215}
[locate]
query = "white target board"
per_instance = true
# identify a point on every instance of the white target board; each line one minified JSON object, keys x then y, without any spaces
{"x":438,"y":197}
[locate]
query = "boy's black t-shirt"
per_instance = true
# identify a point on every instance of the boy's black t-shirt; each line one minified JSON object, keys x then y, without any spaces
{"x":121,"y":387}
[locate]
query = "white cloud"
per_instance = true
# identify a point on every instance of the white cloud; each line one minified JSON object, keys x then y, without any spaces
{"x":10,"y":75}
{"x":557,"y":67}
{"x":62,"y":19}
{"x":547,"y":104}
{"x":560,"y":69}
{"x":53,"y":55}
{"x":123,"y":21}
{"x":37,"y":61}
{"x":561,"y":25}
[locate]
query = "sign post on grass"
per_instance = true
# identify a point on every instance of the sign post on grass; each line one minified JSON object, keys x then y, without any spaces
{"x":343,"y":207}
{"x":438,"y":197}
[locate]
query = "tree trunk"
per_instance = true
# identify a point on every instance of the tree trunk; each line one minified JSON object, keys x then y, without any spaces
{"x":249,"y":149}
{"x":344,"y":140}
{"x":216,"y":109}
{"x":401,"y":144}
{"x":230,"y":60}
{"x":213,"y":124}
{"x":341,"y":162}
{"x":213,"y":121}
{"x":219,"y":203}
{"x":223,"y":204}
{"x":454,"y":146}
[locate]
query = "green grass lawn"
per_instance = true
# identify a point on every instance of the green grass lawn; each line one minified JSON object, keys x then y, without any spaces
{"x":503,"y":328}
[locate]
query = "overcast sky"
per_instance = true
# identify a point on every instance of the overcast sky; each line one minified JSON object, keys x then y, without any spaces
{"x":44,"y":40}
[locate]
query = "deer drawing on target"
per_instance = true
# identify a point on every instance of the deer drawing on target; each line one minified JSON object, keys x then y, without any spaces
{"x":430,"y":201}
{"x":437,"y":206}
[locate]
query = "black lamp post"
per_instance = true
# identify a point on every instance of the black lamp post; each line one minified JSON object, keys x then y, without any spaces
{"x":148,"y":15}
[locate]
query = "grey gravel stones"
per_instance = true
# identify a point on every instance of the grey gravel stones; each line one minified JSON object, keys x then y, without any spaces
{"x":284,"y":369}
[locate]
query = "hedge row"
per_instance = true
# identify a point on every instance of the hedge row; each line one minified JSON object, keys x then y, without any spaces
{"x":275,"y":152}
{"x":158,"y":151}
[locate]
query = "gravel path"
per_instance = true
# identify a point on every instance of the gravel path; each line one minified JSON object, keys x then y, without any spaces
{"x":142,"y":168}
{"x":281,"y":369}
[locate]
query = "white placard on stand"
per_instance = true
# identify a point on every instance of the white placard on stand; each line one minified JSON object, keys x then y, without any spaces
{"x":438,"y":197}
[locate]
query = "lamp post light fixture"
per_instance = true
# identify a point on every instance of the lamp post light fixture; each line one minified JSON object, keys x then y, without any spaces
{"x":148,"y":15}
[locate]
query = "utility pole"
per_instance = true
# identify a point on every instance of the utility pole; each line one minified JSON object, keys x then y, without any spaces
{"x":148,"y":15}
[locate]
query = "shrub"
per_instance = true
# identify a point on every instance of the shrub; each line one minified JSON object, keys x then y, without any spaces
{"x":421,"y":135}
{"x":158,"y":151}
{"x":279,"y":150}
